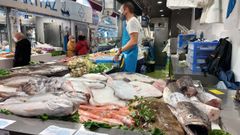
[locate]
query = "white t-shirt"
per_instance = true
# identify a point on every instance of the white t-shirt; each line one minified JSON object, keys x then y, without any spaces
{"x":133,"y":25}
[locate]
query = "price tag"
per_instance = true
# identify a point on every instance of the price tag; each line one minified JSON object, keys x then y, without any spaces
{"x":83,"y":131}
{"x":217,"y":92}
{"x":4,"y":123}
{"x":54,"y":130}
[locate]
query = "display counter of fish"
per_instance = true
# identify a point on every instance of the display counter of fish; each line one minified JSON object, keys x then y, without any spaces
{"x":105,"y":99}
{"x":50,"y":70}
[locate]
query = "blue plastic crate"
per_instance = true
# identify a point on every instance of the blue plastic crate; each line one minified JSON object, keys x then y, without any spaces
{"x":196,"y":60}
{"x":203,"y":46}
{"x":183,"y":39}
{"x":194,"y":67}
{"x":198,"y":53}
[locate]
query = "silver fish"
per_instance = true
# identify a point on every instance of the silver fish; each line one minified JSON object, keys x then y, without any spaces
{"x":51,"y":104}
{"x":45,"y":85}
{"x":17,"y":81}
{"x":194,"y":121}
{"x":132,"y":77}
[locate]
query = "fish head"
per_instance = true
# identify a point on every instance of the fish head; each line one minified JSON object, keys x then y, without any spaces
{"x":193,"y":118}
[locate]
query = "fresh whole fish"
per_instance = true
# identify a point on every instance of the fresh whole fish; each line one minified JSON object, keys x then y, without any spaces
{"x":209,"y":99}
{"x":52,"y":70}
{"x":184,"y":81}
{"x":160,"y":84}
{"x":174,"y":98}
{"x":43,"y":85}
{"x":186,"y":85}
{"x":172,"y":87}
{"x":6,"y":91}
{"x":145,"y":90}
{"x":194,"y":121}
{"x":17,"y":81}
{"x":212,"y":112}
{"x":92,"y":84}
{"x":55,"y":69}
{"x":51,"y":104}
{"x":95,"y":77}
{"x":105,"y":96}
{"x":165,"y":121}
{"x":123,"y":90}
{"x":79,"y":86}
{"x":132,"y":77}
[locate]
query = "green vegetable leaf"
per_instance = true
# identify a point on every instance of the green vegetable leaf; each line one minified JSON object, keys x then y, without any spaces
{"x":157,"y":131}
{"x":95,"y":125}
{"x":4,"y":111}
{"x":44,"y":117}
{"x":4,"y":72}
{"x":218,"y":132}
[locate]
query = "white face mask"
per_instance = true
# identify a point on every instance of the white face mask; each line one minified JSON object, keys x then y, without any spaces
{"x":15,"y":39}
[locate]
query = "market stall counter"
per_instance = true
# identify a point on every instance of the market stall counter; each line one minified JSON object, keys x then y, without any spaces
{"x":7,"y":63}
{"x":179,"y":71}
{"x":28,"y":126}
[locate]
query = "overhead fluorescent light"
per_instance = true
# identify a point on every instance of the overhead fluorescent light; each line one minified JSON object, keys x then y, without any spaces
{"x":162,"y":15}
{"x":161,"y":10}
{"x":159,"y":2}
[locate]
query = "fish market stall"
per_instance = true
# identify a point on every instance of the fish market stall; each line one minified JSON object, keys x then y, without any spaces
{"x":41,"y":97}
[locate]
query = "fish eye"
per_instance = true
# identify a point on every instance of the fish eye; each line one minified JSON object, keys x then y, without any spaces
{"x":190,"y":116}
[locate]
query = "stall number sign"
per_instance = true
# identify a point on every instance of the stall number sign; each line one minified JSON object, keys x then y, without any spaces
{"x":47,"y":4}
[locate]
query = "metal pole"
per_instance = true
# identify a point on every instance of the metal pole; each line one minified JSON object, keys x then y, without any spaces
{"x":8,"y":22}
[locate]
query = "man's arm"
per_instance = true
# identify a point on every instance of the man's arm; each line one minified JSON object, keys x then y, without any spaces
{"x":133,"y":41}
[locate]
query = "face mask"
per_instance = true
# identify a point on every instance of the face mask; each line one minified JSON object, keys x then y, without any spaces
{"x":15,"y":40}
{"x":123,"y":17}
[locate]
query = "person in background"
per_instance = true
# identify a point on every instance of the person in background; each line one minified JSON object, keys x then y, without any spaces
{"x":71,"y":46}
{"x":22,"y":55}
{"x":131,"y":38}
{"x":66,"y":36}
{"x":82,"y":47}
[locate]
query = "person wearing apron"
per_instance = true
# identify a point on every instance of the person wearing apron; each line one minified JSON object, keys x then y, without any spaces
{"x":130,"y":38}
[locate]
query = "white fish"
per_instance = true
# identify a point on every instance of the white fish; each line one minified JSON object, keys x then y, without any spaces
{"x":17,"y":81}
{"x":145,"y":90}
{"x":160,"y":84}
{"x":104,"y":97}
{"x":132,"y":77}
{"x":174,"y":98}
{"x":213,"y":113}
{"x":209,"y":99}
{"x":51,"y":104}
{"x":41,"y":86}
{"x":95,"y":77}
{"x":53,"y":107}
{"x":123,"y":90}
{"x":92,"y":84}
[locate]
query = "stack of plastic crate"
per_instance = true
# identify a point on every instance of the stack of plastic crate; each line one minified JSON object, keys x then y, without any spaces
{"x":183,"y":39}
{"x":198,"y":52}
